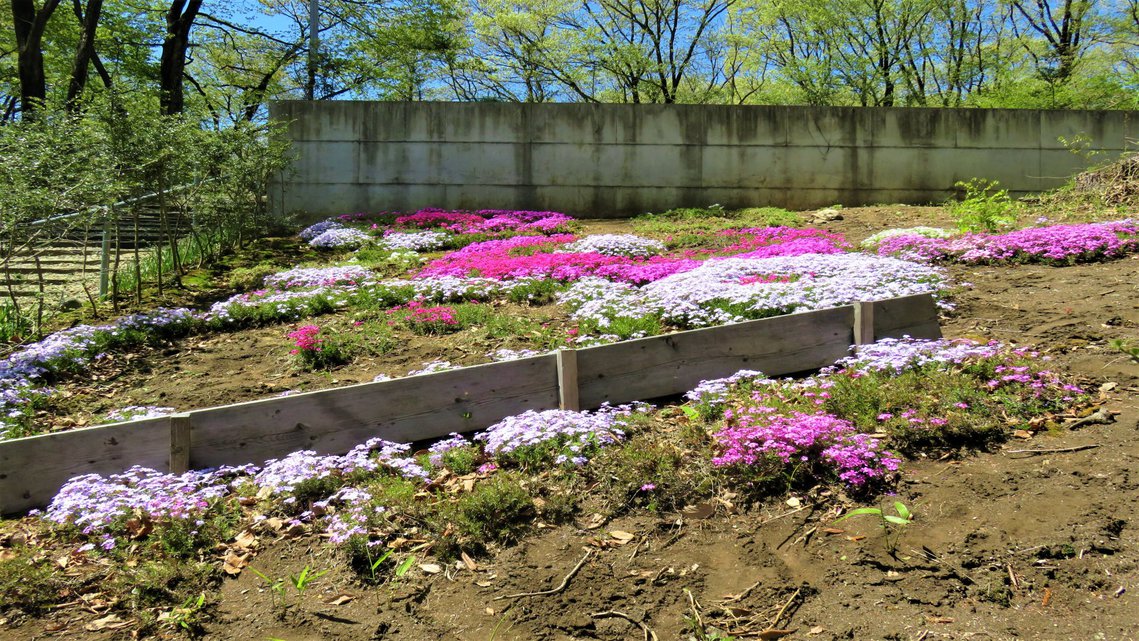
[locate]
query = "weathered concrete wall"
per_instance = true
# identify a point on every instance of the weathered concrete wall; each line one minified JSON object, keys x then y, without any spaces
{"x":614,"y":160}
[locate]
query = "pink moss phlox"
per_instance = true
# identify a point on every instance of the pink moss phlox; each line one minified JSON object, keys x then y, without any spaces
{"x":416,"y":313}
{"x":532,"y":257}
{"x":306,"y":339}
{"x":757,"y":433}
{"x":485,"y":221}
{"x":1056,"y":244}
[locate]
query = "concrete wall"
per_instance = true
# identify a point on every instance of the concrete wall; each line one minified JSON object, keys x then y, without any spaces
{"x":614,"y":160}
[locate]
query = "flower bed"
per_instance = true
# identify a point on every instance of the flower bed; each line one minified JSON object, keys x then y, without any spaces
{"x":609,"y":286}
{"x":1053,"y":245}
{"x":745,"y":437}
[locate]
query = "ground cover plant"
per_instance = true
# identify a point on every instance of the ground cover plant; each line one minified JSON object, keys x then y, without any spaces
{"x":385,"y":511}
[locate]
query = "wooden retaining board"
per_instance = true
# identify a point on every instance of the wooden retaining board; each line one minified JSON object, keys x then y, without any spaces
{"x":403,"y":410}
{"x":675,"y":363}
{"x":33,"y":469}
{"x":914,"y":316}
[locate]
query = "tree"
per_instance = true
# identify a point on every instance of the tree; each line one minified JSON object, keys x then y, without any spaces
{"x":85,"y":51}
{"x":1064,"y":30}
{"x":172,"y":63}
{"x":30,"y":23}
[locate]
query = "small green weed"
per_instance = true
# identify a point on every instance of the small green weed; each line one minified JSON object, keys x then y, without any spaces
{"x":984,"y":208}
{"x":186,"y":616}
{"x":498,"y":510}
{"x":1127,"y":348}
{"x":248,"y":278}
{"x":15,"y":326}
{"x":893,"y":525}
{"x":462,"y":460}
{"x":31,"y":583}
{"x":302,"y":580}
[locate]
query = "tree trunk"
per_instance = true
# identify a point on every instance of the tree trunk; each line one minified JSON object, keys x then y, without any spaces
{"x":29,"y":26}
{"x":85,"y":52}
{"x":172,"y":66}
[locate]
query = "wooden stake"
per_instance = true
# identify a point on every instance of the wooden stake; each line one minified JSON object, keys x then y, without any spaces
{"x":180,"y":425}
{"x":863,"y":323}
{"x":568,"y":398}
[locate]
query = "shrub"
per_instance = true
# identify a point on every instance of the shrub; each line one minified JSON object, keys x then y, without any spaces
{"x":984,"y":208}
{"x":499,"y":510}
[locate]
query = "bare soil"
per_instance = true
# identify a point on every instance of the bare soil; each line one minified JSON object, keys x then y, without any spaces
{"x":1038,"y":539}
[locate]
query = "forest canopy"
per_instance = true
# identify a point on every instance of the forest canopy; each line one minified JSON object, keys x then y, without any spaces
{"x":223,"y":61}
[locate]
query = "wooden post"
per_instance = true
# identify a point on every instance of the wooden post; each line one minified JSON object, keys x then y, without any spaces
{"x":180,"y":426}
{"x":863,"y":323}
{"x":567,"y":380}
{"x":105,"y":255}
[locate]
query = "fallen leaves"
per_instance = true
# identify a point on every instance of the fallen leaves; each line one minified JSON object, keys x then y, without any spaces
{"x":340,"y":599}
{"x":109,"y":622}
{"x":234,"y":563}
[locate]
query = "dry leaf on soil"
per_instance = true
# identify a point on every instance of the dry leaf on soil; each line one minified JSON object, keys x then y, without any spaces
{"x":109,"y":622}
{"x":469,"y":562}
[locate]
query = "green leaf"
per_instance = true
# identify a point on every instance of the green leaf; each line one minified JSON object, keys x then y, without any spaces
{"x":903,"y":511}
{"x":405,"y":566}
{"x":862,"y":510}
{"x":896,"y":520}
{"x":383,"y":557}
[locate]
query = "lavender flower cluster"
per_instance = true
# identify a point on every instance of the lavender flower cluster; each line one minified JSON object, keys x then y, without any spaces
{"x":23,"y":373}
{"x":504,"y":354}
{"x":714,"y":392}
{"x":574,"y":434}
{"x":340,"y":238}
{"x":628,"y":245}
{"x":736,"y":289}
{"x":437,"y":450}
{"x":97,"y":505}
{"x":305,"y":277}
{"x":312,"y":231}
{"x":433,"y":367}
{"x":897,"y":355}
{"x":282,"y":476}
{"x":419,"y":241}
{"x":274,"y":304}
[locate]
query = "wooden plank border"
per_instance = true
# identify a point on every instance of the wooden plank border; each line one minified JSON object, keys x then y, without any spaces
{"x":403,"y":409}
{"x":675,"y":363}
{"x":33,"y":469}
{"x":913,"y":316}
{"x":432,"y":405}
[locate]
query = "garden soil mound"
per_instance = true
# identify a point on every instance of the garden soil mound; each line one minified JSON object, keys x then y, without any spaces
{"x":1038,"y":539}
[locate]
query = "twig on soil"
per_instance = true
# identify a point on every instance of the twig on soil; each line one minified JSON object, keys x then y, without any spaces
{"x":675,"y":537}
{"x":649,"y":634}
{"x":776,"y":518}
{"x":637,"y":548}
{"x":786,"y":605}
{"x":742,"y":595}
{"x":1100,"y":417}
{"x":561,"y":586}
{"x":695,"y":612}
{"x":1057,"y":450}
{"x":1012,"y":577}
{"x":806,"y":536}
